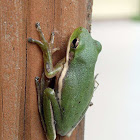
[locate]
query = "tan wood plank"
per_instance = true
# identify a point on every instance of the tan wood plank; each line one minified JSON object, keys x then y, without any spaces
{"x":12,"y":68}
{"x":20,"y":61}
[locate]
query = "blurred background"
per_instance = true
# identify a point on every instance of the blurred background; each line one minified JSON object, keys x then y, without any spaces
{"x":115,"y":114}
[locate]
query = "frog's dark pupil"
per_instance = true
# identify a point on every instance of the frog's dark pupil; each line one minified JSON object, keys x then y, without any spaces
{"x":74,"y":43}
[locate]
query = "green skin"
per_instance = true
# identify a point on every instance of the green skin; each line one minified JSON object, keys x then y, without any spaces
{"x":78,"y":83}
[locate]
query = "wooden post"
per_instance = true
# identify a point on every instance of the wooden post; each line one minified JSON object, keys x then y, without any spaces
{"x":20,"y":61}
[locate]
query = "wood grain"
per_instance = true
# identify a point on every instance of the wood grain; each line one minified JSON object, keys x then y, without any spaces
{"x":12,"y":68}
{"x":20,"y":61}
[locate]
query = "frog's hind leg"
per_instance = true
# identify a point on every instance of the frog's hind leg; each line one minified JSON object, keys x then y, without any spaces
{"x":41,"y":85}
{"x":49,"y":115}
{"x":39,"y":99}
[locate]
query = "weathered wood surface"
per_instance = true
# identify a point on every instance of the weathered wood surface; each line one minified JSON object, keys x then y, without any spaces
{"x":20,"y":61}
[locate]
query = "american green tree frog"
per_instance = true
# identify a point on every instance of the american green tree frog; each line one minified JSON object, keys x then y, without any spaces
{"x":65,"y":90}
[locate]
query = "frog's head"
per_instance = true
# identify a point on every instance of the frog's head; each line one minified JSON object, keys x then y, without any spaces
{"x":76,"y":37}
{"x":81,"y":40}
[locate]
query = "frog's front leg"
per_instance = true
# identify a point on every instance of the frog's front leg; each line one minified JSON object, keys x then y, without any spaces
{"x":47,"y":50}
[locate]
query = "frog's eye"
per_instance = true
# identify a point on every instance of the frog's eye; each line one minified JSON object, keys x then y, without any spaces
{"x":75,"y":43}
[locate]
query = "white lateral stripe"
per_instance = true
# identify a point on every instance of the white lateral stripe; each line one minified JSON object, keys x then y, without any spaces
{"x":64,"y":71}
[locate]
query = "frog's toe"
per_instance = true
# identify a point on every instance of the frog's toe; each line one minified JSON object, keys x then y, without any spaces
{"x":52,"y":33}
{"x":55,"y":49}
{"x":30,"y":40}
{"x":37,"y":24}
{"x":37,"y":78}
{"x":52,"y":38}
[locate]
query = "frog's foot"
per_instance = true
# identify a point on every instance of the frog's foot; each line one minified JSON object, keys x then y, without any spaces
{"x":47,"y":49}
{"x":43,"y":43}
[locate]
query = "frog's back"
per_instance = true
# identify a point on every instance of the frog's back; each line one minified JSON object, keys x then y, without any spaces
{"x":78,"y":84}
